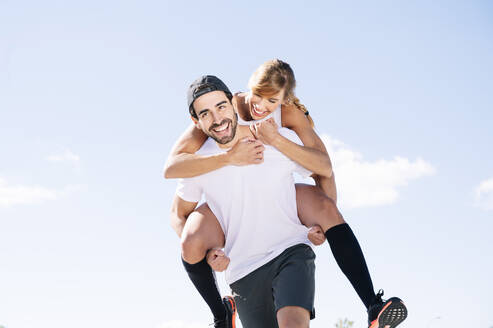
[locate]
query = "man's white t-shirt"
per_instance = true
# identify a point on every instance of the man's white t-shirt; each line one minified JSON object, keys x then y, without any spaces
{"x":255,"y":205}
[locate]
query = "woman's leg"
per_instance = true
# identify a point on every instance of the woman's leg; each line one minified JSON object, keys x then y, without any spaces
{"x":315,"y":208}
{"x":202,"y":232}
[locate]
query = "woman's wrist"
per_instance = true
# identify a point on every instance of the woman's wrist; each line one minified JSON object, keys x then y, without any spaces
{"x":278,"y":141}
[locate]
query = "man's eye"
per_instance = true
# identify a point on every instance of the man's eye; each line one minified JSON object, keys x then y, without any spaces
{"x":204,"y":115}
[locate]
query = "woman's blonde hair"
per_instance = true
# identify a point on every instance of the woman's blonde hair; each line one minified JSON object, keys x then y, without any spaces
{"x":272,"y":77}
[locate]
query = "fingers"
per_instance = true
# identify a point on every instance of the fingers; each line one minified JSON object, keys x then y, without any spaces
{"x":219,"y":263}
{"x":316,"y":239}
{"x":210,"y":257}
{"x":214,"y":253}
{"x":316,"y":235}
{"x":248,"y":139}
{"x":248,"y":151}
{"x":223,"y":263}
{"x":316,"y":227}
{"x":257,"y":152}
{"x":253,"y":129}
{"x":259,"y":146}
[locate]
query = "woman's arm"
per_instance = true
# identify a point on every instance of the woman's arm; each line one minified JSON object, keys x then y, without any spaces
{"x":184,"y":163}
{"x":294,"y":119}
{"x":313,"y":155}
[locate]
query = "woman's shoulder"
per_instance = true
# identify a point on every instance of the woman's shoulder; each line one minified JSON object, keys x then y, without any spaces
{"x":240,"y":98}
{"x":241,"y":104}
{"x":293,"y":117}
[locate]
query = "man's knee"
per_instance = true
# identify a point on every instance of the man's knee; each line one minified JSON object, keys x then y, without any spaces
{"x":293,"y":317}
{"x":193,"y":248}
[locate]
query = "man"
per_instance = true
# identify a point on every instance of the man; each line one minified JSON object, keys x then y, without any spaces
{"x":271,"y":271}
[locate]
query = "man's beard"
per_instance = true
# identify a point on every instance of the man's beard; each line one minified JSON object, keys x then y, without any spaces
{"x":224,"y":140}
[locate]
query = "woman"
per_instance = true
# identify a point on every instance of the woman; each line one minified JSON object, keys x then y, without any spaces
{"x":271,"y":102}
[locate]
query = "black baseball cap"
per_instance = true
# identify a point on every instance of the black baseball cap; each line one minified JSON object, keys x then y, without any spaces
{"x":203,"y":85}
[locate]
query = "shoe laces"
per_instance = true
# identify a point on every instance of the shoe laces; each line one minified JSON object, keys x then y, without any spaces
{"x":218,"y":323}
{"x":375,"y":307}
{"x":378,"y":296}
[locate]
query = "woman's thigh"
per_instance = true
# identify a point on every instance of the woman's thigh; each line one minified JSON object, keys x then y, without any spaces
{"x":314,"y":207}
{"x":202,"y":230}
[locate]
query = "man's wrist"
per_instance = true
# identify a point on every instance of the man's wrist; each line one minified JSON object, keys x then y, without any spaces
{"x":224,"y":158}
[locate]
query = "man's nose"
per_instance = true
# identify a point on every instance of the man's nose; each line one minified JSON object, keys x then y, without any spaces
{"x":216,"y":118}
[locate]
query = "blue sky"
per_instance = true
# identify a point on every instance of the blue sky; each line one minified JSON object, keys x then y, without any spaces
{"x":92,"y":97}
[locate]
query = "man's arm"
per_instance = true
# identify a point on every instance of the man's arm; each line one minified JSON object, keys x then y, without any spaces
{"x":180,"y":210}
{"x":184,"y":163}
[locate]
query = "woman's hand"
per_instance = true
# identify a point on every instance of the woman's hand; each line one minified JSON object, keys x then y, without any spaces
{"x":246,"y":151}
{"x":266,"y":131}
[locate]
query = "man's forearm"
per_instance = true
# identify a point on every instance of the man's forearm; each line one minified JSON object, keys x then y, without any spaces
{"x":191,"y":165}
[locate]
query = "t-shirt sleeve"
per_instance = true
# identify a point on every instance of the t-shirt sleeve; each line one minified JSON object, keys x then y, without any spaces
{"x":189,"y":190}
{"x":292,"y":136}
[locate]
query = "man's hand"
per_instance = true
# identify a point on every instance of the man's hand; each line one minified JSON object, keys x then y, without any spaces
{"x":316,"y":235}
{"x":266,"y":131}
{"x":217,"y":259}
{"x":246,"y":151}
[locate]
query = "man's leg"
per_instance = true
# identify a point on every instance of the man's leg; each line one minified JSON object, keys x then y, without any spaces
{"x":202,"y":232}
{"x":294,"y":287}
{"x":293,"y":317}
{"x":253,"y":297}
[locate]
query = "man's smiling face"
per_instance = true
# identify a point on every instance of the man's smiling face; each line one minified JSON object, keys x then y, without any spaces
{"x":216,"y":116}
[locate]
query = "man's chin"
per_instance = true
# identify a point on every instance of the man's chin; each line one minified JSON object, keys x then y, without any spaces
{"x":224,"y":140}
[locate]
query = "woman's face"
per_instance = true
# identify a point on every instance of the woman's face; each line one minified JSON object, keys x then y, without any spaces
{"x":261,"y":106}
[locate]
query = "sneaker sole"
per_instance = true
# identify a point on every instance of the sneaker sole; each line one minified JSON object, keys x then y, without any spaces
{"x":392,"y":314}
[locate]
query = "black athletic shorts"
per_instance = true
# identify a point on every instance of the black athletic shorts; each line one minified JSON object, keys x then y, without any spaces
{"x":287,"y":280}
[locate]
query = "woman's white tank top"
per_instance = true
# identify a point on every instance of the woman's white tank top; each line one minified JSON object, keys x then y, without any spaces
{"x":276,"y":115}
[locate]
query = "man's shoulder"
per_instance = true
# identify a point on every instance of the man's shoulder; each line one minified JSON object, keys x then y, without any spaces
{"x":209,"y":148}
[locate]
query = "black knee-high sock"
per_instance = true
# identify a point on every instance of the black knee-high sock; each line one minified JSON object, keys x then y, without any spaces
{"x":204,"y":281}
{"x":350,"y":258}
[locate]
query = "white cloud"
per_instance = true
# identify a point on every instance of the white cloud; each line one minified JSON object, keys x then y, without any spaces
{"x":484,"y":194}
{"x":361,"y":183}
{"x":66,"y":156}
{"x":180,"y":324}
{"x":11,"y":195}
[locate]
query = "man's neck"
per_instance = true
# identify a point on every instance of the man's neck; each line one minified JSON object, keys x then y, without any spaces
{"x":242,"y":131}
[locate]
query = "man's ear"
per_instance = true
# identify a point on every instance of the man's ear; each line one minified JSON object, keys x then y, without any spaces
{"x":195,"y":121}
